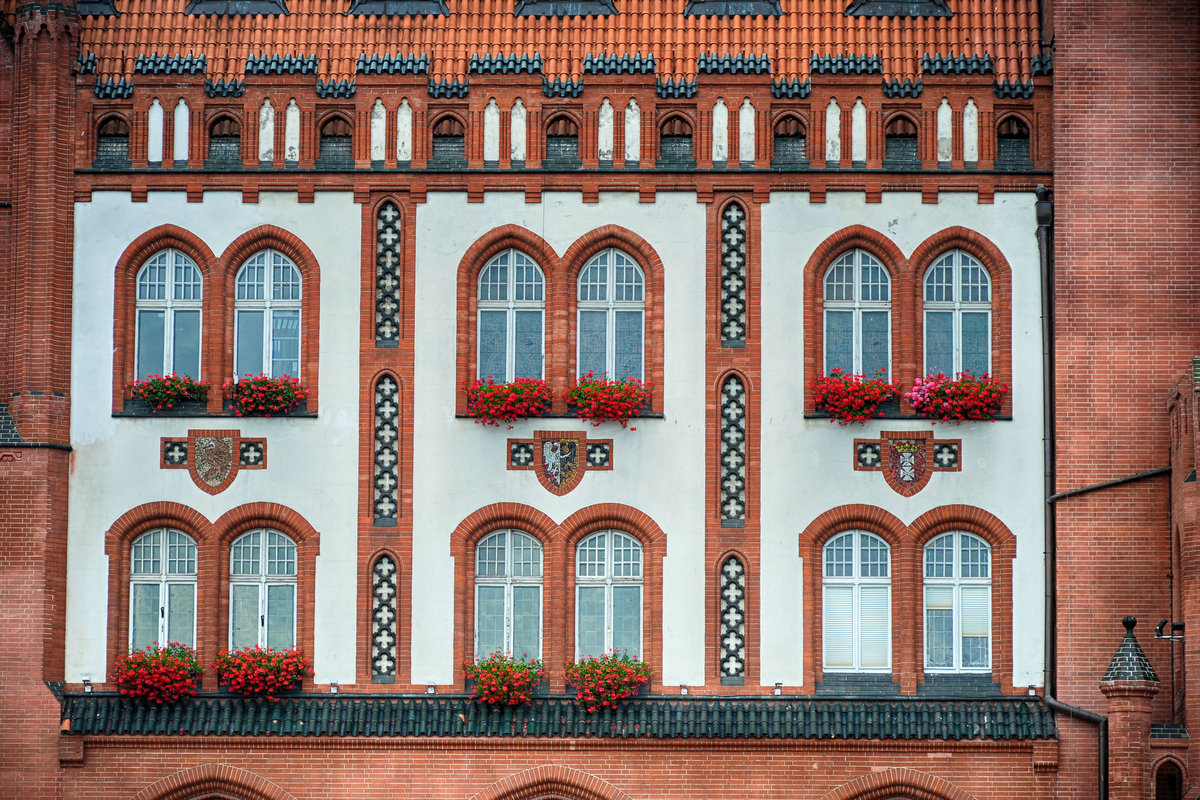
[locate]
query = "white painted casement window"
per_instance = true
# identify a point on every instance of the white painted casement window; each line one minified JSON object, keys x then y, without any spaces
{"x":162,"y":591}
{"x":612,"y":305}
{"x":958,"y":316}
{"x":267,"y":313}
{"x":508,"y":595}
{"x":169,"y":289}
{"x":512,"y":309}
{"x":857,"y":603}
{"x":262,"y":590}
{"x":858,"y":316}
{"x":608,"y":594}
{"x":958,"y":603}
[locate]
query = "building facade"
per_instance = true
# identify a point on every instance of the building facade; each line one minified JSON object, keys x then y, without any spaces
{"x":391,"y":201}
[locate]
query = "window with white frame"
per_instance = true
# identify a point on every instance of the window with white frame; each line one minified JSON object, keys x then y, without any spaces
{"x":512,"y":307}
{"x":857,"y":603}
{"x":612,"y":304}
{"x":169,"y":289}
{"x":162,"y":591}
{"x":858,"y":313}
{"x":267,"y":309}
{"x":262,"y":590}
{"x":608,"y":594}
{"x":958,"y":603}
{"x":508,"y":595}
{"x":958,"y":316}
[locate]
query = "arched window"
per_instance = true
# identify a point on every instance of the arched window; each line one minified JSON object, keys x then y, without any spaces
{"x":512,"y":305}
{"x":225,"y":142}
{"x":337,"y":143}
{"x":112,"y":143}
{"x":611,"y":314}
{"x":791,"y":143}
{"x":169,"y":288}
{"x":675,"y":143}
{"x":262,"y":590}
{"x":562,"y":142}
{"x":1168,"y":782}
{"x":449,"y":143}
{"x":267,"y":310}
{"x":1012,"y":144}
{"x":857,"y":603}
{"x":858,"y":315}
{"x":608,"y":594}
{"x":900,"y":144}
{"x":958,"y":603}
{"x":383,"y":620}
{"x":958,"y":313}
{"x":508,"y":595}
{"x":162,"y":590}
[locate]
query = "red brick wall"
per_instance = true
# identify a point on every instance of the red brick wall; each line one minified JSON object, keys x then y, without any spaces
{"x":1127,"y":176}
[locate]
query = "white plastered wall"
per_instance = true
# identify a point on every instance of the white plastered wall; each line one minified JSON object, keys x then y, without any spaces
{"x":312,"y":464}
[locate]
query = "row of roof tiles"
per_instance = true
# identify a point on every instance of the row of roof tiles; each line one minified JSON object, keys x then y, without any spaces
{"x":1005,"y":31}
{"x":365,"y":715}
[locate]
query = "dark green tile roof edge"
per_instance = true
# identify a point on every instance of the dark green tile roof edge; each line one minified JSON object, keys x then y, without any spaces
{"x":652,"y":718}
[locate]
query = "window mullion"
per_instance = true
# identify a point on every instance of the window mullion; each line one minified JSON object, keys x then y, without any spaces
{"x":262,"y":605}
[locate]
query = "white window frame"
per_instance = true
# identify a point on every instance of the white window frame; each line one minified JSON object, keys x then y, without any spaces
{"x":510,"y":581}
{"x":957,"y":261}
{"x":179,"y":292}
{"x":269,"y":304}
{"x":956,"y":582}
{"x":264,"y":579}
{"x":856,"y":581}
{"x":513,"y":259}
{"x":608,"y":581}
{"x":856,"y":260}
{"x":168,"y":572}
{"x":610,"y":260}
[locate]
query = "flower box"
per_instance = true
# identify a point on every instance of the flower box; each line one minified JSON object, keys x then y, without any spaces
{"x":165,"y":392}
{"x":501,"y":680}
{"x":156,"y":674}
{"x":599,"y":400}
{"x":494,"y":403}
{"x":262,"y":671}
{"x":960,"y":399}
{"x":850,"y":398}
{"x":604,"y":681}
{"x":263,"y":396}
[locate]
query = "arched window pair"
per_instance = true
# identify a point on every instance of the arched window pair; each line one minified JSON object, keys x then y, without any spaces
{"x":266,"y":316}
{"x":857,"y":603}
{"x":262,"y":589}
{"x":508,"y":594}
{"x":610,"y":318}
{"x":957,"y":307}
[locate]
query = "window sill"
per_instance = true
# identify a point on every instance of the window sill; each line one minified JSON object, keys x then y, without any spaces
{"x":897,"y":414}
{"x":644,"y":415}
{"x":140,"y":409}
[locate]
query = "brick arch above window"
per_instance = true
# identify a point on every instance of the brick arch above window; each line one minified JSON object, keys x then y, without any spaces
{"x":551,"y":780}
{"x":901,"y":782}
{"x":217,"y":779}
{"x":135,"y":256}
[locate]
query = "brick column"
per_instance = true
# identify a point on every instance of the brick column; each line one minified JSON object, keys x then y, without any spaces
{"x":1130,"y":685}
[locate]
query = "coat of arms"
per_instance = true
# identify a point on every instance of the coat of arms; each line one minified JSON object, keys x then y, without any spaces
{"x":560,"y":460}
{"x":213,"y":464}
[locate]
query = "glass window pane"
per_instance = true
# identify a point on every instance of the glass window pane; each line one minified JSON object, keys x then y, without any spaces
{"x":939,"y":343}
{"x":181,"y":554}
{"x":187,"y":278}
{"x":627,"y":619}
{"x":146,"y":554}
{"x":285,"y":343}
{"x":526,"y":556}
{"x":976,"y":610}
{"x":839,"y":556}
{"x":939,"y":557}
{"x":527,"y":279}
{"x":493,"y":281}
{"x":528,"y":345}
{"x":591,"y":556}
{"x":527,"y":622}
{"x":249,"y":357}
{"x":489,"y":555}
{"x":245,"y":555}
{"x":976,"y":344}
{"x":186,"y":358}
{"x":145,"y":615}
{"x":181,"y":613}
{"x":244,"y":616}
{"x":593,"y":334}
{"x":281,"y":616}
{"x":151,"y":340}
{"x":281,"y":554}
{"x":839,"y":341}
{"x":873,"y":556}
{"x":628,"y":348}
{"x":875,"y":343}
{"x":976,"y":557}
{"x":493,"y":345}
{"x":874,"y":630}
{"x":939,"y":626}
{"x":589,"y":621}
{"x":837,"y":636}
{"x":489,"y":620}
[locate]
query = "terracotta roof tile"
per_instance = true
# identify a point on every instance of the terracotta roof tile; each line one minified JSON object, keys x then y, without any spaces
{"x":1006,"y":31}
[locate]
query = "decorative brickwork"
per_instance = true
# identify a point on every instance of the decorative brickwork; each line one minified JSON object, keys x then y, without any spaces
{"x":386,"y":483}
